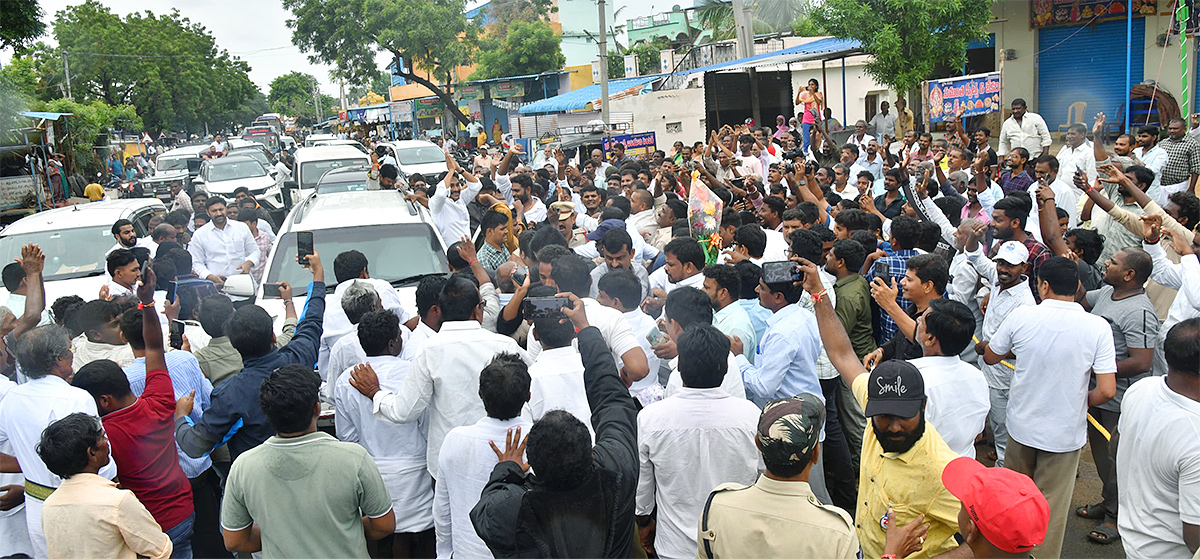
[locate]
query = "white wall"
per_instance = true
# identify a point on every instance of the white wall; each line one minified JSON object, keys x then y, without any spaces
{"x":858,"y":84}
{"x":576,"y":16}
{"x":655,"y":110}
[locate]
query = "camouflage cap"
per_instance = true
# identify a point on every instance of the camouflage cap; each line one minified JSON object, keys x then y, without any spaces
{"x":789,"y":428}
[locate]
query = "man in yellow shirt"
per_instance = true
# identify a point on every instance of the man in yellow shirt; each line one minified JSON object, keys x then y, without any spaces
{"x":902,"y":454}
{"x":94,"y":192}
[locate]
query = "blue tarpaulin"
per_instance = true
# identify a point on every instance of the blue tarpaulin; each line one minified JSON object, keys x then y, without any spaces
{"x":47,"y":116}
{"x":579,"y":99}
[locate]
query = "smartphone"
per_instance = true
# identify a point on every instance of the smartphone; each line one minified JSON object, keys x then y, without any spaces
{"x":883,"y":271}
{"x":177,"y":334}
{"x":656,"y":337}
{"x":537,"y":308}
{"x":304,"y":245}
{"x":781,"y":272}
{"x":271,"y":291}
{"x":171,"y":291}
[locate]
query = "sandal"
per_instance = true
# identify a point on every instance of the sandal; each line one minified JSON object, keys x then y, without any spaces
{"x":1104,"y":534}
{"x":1091,"y":512}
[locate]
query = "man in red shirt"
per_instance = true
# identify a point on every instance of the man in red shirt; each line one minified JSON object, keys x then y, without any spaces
{"x":141,"y":430}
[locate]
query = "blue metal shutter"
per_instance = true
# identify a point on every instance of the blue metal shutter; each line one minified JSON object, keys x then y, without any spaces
{"x":1086,"y":64}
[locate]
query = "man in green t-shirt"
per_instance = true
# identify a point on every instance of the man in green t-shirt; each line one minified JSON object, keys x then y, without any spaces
{"x":303,"y":493}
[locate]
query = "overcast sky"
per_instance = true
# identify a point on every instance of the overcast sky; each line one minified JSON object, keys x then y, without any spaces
{"x":253,"y":30}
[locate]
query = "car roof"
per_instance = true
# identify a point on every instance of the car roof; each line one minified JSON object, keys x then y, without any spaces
{"x":231,"y":159}
{"x":341,"y":210}
{"x":185,"y":150}
{"x":81,"y":215}
{"x":324,"y":153}
{"x":411,"y":144}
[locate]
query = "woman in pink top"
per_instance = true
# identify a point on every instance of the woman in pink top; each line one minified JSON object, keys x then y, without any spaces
{"x":813,"y":103}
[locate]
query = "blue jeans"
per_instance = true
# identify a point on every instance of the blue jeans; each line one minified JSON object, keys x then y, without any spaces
{"x":181,"y":538}
{"x":805,"y":132}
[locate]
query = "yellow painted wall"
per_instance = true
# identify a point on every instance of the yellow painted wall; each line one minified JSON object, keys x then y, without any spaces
{"x":581,"y":76}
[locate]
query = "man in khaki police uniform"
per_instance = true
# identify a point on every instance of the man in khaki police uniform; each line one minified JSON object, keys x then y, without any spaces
{"x":779,"y":515}
{"x":576,"y":236}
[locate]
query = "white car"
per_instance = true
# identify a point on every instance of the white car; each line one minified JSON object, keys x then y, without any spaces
{"x":419,"y":156}
{"x":351,"y":143}
{"x":398,"y":238}
{"x":310,"y":164}
{"x":222,"y":175}
{"x":312,"y":139}
{"x":75,"y":240}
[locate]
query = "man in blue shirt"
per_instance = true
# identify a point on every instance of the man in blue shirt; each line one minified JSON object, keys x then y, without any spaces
{"x":722,"y":285}
{"x":251,"y":332}
{"x":906,"y":233}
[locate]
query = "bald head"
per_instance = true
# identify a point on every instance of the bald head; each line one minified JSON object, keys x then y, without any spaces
{"x":641,"y":200}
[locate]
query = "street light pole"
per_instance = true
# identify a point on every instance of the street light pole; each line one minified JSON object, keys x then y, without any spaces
{"x":603,"y":66}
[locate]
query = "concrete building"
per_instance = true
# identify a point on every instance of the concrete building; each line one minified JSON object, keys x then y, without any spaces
{"x":579,"y":21}
{"x":677,"y":25}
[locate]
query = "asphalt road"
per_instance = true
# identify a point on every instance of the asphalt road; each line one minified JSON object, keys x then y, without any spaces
{"x":1076,"y":544}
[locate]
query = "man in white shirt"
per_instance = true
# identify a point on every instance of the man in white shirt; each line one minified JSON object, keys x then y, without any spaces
{"x":125,"y":271}
{"x":617,"y":248}
{"x":958,"y":394}
{"x":1077,"y":154}
{"x":621,"y":290}
{"x":1009,"y":290}
{"x":1046,"y":413}
{"x":430,"y":316}
{"x":690,"y":443}
{"x":397,"y":449}
{"x":556,"y":375}
{"x":444,"y":379}
{"x":466,"y":460}
{"x":219,"y":146}
{"x":884,"y":122}
{"x":1153,"y":157}
{"x":350,"y":267}
{"x":1024,"y":129}
{"x":686,"y":307}
{"x":222,"y":248}
{"x":749,"y":164}
{"x":357,"y":300}
{"x":448,"y":205}
{"x":860,"y":139}
{"x":1049,"y":169}
{"x":1158,"y":455}
{"x":44,"y":356}
{"x":684,"y":264}
{"x":642,"y":216}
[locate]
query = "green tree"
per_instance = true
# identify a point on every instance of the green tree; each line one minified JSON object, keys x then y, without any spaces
{"x":428,"y":35}
{"x":165,"y":65}
{"x":907,"y":39}
{"x":529,"y":47}
{"x":90,"y":127}
{"x":250,"y":109}
{"x":292,"y":95}
{"x":20,"y":23}
{"x":769,"y":16}
{"x":507,"y":12}
{"x":20,"y":77}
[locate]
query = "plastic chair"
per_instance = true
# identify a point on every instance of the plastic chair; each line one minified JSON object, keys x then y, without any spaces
{"x":1074,"y":116}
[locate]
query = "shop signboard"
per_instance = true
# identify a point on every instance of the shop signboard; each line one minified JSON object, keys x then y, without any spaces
{"x":14,"y":189}
{"x":1054,"y":13}
{"x":636,"y":145}
{"x":505,"y":90}
{"x":471,"y":92}
{"x":401,"y":111}
{"x":973,"y":95}
{"x":429,"y":107}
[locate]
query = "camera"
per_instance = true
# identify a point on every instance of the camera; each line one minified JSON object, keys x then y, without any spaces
{"x":793,"y":153}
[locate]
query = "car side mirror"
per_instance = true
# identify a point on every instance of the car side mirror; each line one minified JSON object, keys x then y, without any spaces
{"x":289,"y":185}
{"x":240,"y":285}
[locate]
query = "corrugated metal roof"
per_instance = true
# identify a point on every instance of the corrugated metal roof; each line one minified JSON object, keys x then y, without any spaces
{"x":806,"y":51}
{"x":47,"y":116}
{"x":579,"y":99}
{"x":550,"y":74}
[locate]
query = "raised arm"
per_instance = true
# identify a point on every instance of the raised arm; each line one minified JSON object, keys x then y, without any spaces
{"x":32,"y":262}
{"x":833,"y":334}
{"x":1052,"y":234}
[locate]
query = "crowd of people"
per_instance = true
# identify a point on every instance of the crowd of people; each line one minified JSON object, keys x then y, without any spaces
{"x":894,"y":347}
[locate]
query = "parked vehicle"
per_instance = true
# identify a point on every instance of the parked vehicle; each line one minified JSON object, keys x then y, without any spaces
{"x":419,"y":156}
{"x":350,"y":143}
{"x":313,"y":162}
{"x":312,"y":139}
{"x":222,"y":175}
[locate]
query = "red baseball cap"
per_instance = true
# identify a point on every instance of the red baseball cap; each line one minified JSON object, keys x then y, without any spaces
{"x":1006,"y":506}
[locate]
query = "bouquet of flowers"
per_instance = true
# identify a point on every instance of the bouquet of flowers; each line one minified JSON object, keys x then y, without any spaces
{"x":704,"y":217}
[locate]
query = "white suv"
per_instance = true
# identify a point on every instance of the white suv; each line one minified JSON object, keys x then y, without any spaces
{"x":398,"y":238}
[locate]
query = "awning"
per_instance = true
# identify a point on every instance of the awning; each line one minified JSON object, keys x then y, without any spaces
{"x":829,"y":48}
{"x":47,"y":116}
{"x":582,"y":97}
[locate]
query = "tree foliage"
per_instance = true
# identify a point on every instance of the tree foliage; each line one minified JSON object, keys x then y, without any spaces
{"x":907,"y":38}
{"x":165,"y":65}
{"x":292,"y":95}
{"x":20,"y":23}
{"x":769,"y":16}
{"x":506,"y":12}
{"x":433,"y":36}
{"x":529,"y":47}
{"x":90,"y":127}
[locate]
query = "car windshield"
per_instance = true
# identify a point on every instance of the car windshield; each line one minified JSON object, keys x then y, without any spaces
{"x":255,"y":154}
{"x":311,"y":171}
{"x":271,"y":142}
{"x":233,"y":171}
{"x":69,"y":252}
{"x":342,"y":185}
{"x":395,"y":252}
{"x":172,"y":164}
{"x":419,"y":155}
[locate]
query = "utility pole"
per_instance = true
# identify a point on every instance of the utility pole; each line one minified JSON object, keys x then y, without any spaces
{"x":66,"y":72}
{"x":742,"y":18}
{"x":316,"y":100}
{"x":603,"y":67}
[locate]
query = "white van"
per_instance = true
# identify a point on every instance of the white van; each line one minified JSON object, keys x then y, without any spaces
{"x":311,"y":163}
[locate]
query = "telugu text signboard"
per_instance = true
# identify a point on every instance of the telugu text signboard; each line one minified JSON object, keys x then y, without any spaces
{"x":636,"y":145}
{"x":971,"y":95}
{"x":14,"y":189}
